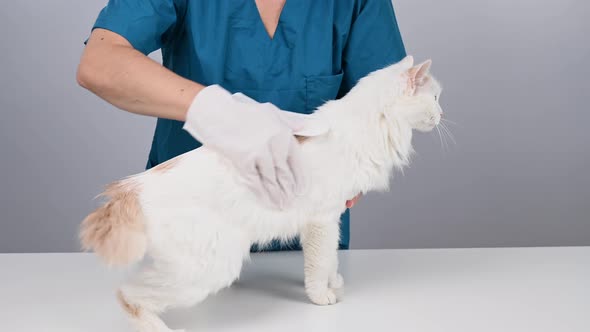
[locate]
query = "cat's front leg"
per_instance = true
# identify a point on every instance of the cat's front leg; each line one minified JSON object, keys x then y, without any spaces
{"x":320,"y":251}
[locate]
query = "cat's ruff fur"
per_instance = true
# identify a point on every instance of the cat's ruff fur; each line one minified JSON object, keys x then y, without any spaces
{"x":197,"y":221}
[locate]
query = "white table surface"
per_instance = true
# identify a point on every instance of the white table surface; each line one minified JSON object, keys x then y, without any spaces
{"x":454,"y":290}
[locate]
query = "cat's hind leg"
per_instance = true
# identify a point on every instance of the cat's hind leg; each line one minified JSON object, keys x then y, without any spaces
{"x":153,"y":290}
{"x":196,"y":262}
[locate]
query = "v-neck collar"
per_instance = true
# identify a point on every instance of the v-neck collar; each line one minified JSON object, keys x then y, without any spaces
{"x":261,"y":21}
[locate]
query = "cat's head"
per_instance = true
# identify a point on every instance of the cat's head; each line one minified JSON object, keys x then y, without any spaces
{"x":413,"y":94}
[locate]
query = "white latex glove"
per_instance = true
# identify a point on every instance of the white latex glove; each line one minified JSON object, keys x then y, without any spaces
{"x":257,"y":138}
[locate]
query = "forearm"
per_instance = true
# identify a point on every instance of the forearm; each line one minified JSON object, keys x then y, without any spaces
{"x":112,"y":69}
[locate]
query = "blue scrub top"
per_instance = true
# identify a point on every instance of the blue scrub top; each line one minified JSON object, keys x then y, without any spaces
{"x":319,"y":51}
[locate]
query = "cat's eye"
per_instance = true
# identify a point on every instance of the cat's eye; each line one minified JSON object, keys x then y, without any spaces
{"x":435,"y":98}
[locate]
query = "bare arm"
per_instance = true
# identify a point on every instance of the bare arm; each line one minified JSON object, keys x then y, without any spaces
{"x":113,"y":70}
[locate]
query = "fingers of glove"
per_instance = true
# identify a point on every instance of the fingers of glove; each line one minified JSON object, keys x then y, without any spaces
{"x":266,"y":169}
{"x":295,"y":161}
{"x":253,"y":181}
{"x":280,"y":149}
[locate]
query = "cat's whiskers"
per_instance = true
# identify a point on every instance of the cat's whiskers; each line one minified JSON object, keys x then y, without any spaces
{"x":450,"y":122}
{"x":442,"y":144}
{"x":444,"y":132}
{"x":448,"y":132}
{"x":433,"y":135}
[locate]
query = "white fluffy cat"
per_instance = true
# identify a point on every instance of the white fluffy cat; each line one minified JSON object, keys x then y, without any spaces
{"x":196,"y":221}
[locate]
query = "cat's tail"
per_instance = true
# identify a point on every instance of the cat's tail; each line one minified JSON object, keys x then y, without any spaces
{"x":116,"y":230}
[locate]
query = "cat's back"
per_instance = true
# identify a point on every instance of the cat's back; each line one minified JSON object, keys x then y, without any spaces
{"x":195,"y":175}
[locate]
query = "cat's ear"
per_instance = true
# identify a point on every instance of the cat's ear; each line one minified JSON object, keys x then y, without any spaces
{"x":417,"y":76}
{"x":419,"y":72}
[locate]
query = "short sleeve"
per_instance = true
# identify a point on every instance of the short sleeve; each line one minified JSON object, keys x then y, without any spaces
{"x":146,"y":24}
{"x":374,"y":42}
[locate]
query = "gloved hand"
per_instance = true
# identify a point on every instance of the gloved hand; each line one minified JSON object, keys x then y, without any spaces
{"x":256,"y":137}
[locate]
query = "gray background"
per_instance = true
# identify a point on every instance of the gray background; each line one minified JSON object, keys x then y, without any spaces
{"x":514,"y":72}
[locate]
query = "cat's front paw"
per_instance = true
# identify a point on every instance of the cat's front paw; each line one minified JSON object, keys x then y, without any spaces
{"x":325,"y":296}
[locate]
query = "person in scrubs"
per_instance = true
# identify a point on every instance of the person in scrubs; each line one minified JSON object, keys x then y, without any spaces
{"x":232,"y":69}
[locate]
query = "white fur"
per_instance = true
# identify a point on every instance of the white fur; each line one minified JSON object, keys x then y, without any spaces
{"x":201,"y":221}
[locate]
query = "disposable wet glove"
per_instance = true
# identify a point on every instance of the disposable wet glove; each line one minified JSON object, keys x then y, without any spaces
{"x":257,"y":138}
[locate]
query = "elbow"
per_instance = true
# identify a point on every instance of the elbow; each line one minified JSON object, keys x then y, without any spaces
{"x":82,"y":76}
{"x":86,"y":76}
{"x":91,"y":73}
